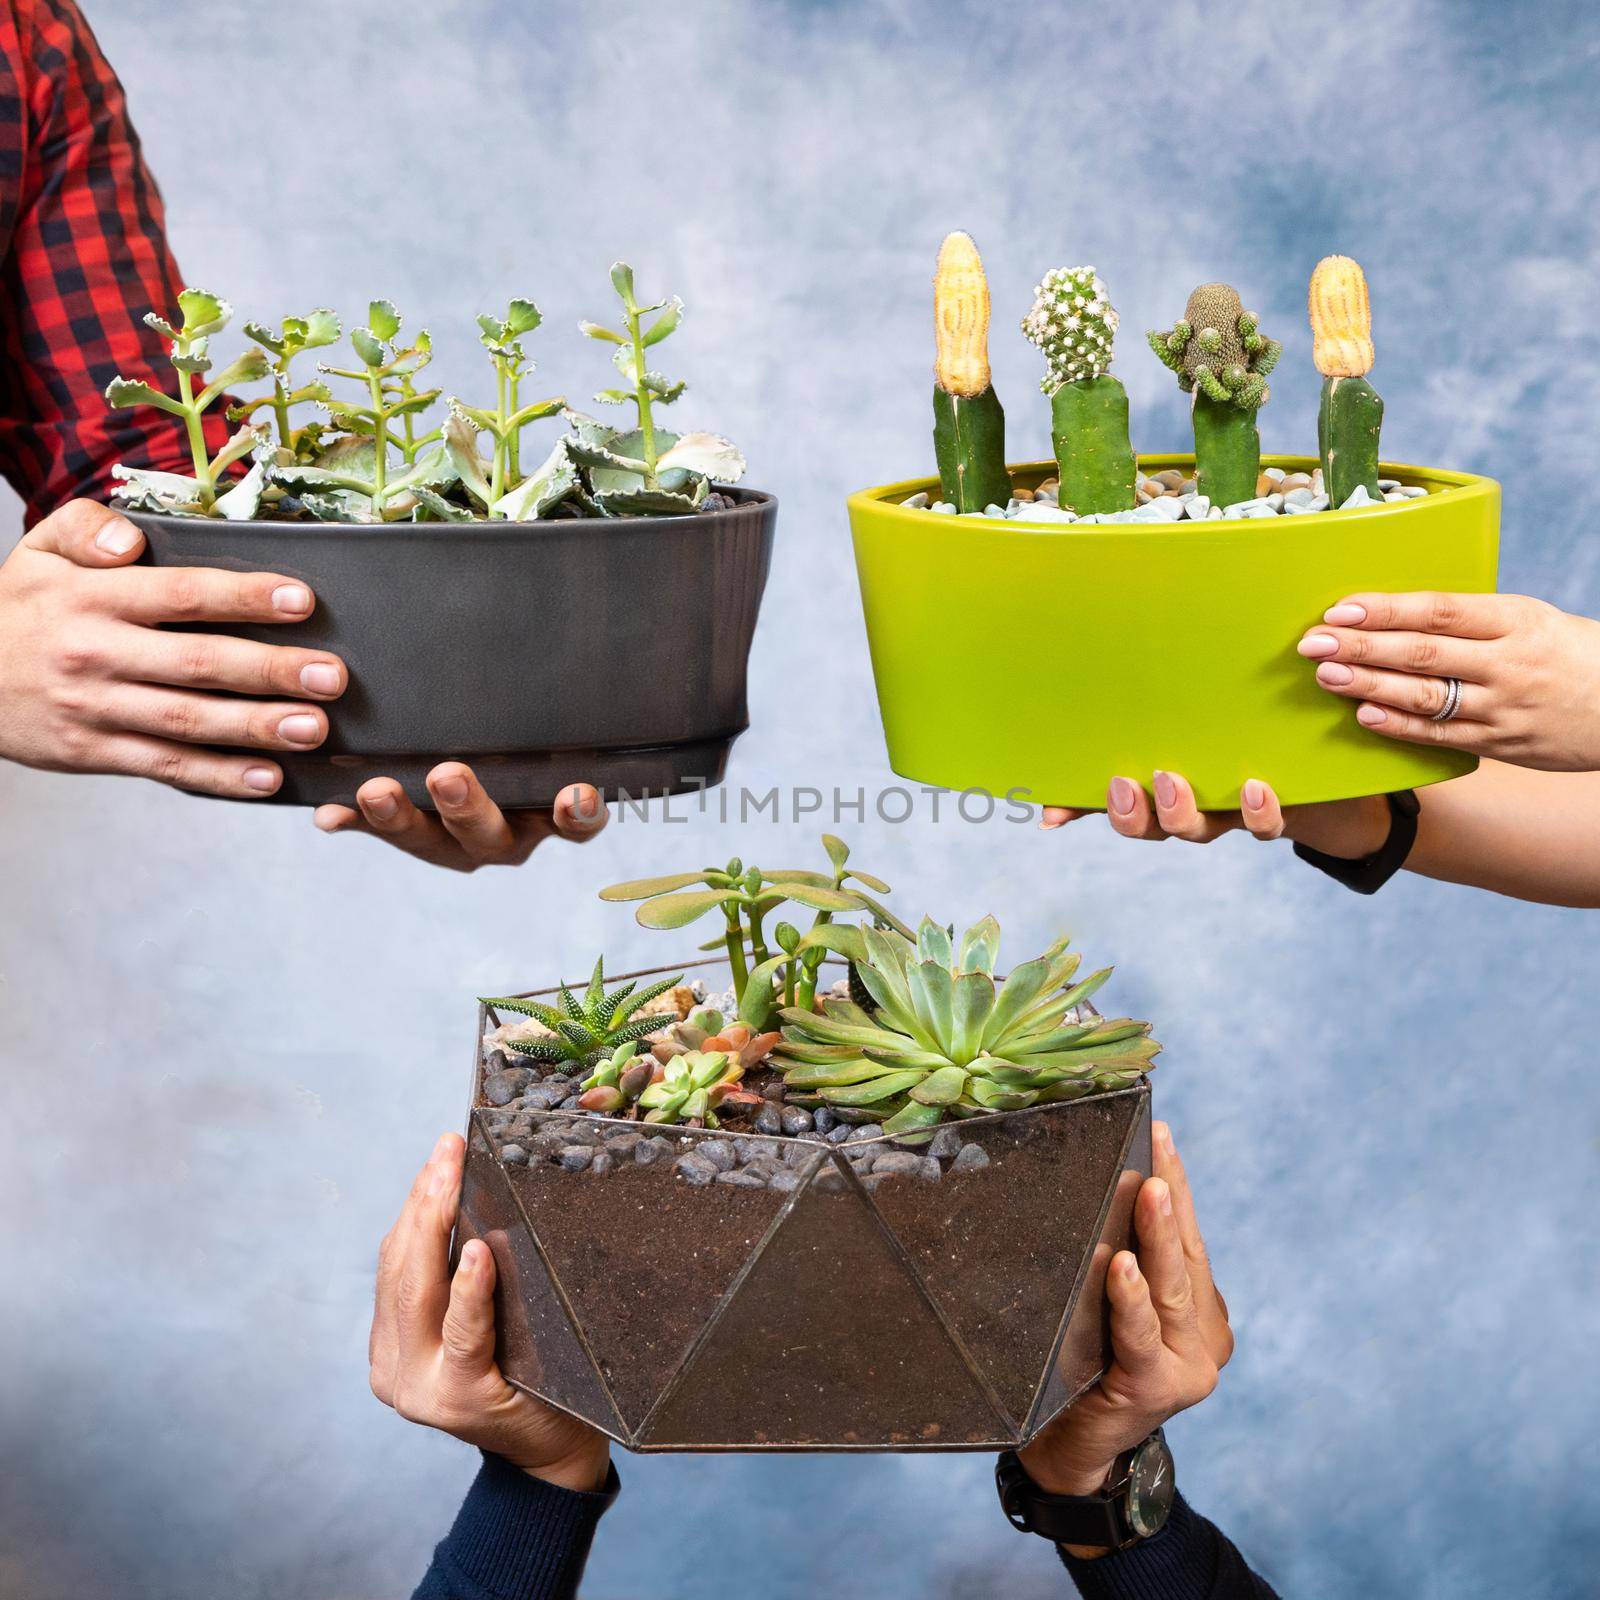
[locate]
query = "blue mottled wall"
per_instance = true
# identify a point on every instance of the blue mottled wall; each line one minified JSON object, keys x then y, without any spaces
{"x":1390,"y":1107}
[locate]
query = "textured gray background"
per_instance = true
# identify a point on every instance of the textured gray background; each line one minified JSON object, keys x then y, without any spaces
{"x":227,"y":1040}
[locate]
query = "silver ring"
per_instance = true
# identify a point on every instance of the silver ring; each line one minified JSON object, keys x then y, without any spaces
{"x":1452,"y":701}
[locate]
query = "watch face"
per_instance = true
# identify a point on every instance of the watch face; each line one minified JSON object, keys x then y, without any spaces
{"x":1150,"y":1487}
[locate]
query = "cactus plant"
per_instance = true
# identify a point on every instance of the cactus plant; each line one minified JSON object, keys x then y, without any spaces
{"x":969,"y":424}
{"x":1222,"y":357}
{"x":941,"y":1037}
{"x":582,"y":1030}
{"x":1073,"y":323}
{"x":1350,"y":412}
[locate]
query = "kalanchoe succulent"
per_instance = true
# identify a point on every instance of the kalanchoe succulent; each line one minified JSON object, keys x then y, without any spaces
{"x":969,"y":424}
{"x":292,"y":337}
{"x":940,"y":1037}
{"x":1073,"y":323}
{"x":1350,"y":410}
{"x":581,"y":1030}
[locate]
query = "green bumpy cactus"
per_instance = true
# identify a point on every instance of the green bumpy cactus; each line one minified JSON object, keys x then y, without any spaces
{"x":969,"y":425}
{"x":1073,"y":323}
{"x":1220,"y":355}
{"x":1350,"y":414}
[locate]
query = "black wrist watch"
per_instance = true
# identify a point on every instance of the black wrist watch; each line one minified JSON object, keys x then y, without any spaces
{"x":1368,"y":875}
{"x":1134,"y":1504}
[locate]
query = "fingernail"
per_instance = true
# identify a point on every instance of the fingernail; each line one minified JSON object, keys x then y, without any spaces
{"x":1130,"y":1268}
{"x":452,"y":790}
{"x":1255,"y":793}
{"x":440,"y":1145}
{"x":1347,"y":614}
{"x":383,"y":806}
{"x":1371,"y":716}
{"x":1163,"y":1137}
{"x":1318,"y":644}
{"x":1166,"y":789}
{"x":436,"y":1183}
{"x":585,"y":811}
{"x":1335,"y":674}
{"x":1163,"y":1198}
{"x":318,"y":677}
{"x":117,"y":537}
{"x":1124,"y":796}
{"x":263,"y":778}
{"x":300,"y":728}
{"x":293,"y":597}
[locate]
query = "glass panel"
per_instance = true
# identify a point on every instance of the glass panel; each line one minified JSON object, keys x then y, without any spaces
{"x":1085,"y":1345}
{"x":827,"y":1342}
{"x":642,"y":1251}
{"x":1000,"y":1235}
{"x":537,"y":1348}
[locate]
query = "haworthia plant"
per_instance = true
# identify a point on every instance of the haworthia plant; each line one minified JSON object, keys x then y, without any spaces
{"x":582,"y":1029}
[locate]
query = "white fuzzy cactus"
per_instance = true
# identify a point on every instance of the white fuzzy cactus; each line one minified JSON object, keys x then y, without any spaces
{"x":1072,"y":322}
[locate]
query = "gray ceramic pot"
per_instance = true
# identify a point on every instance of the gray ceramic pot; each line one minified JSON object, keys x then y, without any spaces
{"x":607,"y":651}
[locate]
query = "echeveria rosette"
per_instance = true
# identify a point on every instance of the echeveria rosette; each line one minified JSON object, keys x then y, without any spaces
{"x":1073,"y":323}
{"x":943,"y":1038}
{"x":582,"y":1030}
{"x":691,"y":1088}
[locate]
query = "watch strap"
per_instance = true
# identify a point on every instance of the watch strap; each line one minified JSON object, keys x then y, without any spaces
{"x":1095,"y":1520}
{"x":1369,"y":874}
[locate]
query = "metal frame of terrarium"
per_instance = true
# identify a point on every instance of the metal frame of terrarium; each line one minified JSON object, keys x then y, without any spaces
{"x":607,"y":1358}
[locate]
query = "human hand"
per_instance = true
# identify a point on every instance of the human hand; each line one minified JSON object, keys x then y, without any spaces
{"x":431,"y":1352}
{"x":89,"y":681}
{"x":1530,"y":674}
{"x":470,"y":830}
{"x":1169,"y":1334}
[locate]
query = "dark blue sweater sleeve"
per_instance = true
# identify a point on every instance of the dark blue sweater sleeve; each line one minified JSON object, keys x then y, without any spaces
{"x":516,"y":1538}
{"x":1188,"y":1560}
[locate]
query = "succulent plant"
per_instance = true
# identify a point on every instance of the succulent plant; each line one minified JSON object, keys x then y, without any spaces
{"x":1222,"y":357}
{"x":645,"y":470}
{"x":969,"y":424}
{"x":618,"y":1081}
{"x":693,"y":1086}
{"x":293,"y":336}
{"x":745,"y":895}
{"x":1073,"y":323}
{"x":940,"y":1037}
{"x":582,"y":1030}
{"x":1350,"y":412}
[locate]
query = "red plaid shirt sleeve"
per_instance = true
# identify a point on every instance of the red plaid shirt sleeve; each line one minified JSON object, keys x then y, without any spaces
{"x":85,"y":257}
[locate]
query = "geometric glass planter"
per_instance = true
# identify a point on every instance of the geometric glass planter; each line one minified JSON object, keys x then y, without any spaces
{"x":894,"y":1310}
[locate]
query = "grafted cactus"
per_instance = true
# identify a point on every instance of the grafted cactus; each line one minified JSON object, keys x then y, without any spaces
{"x":1350,"y":413}
{"x":1073,"y":323}
{"x":969,"y":424}
{"x":1222,"y":357}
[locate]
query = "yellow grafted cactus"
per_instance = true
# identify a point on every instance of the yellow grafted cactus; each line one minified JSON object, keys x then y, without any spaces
{"x":1341,"y":319}
{"x":969,"y":426}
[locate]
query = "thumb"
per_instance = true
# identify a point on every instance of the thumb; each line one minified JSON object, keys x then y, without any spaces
{"x":468,"y":1332}
{"x":579,"y":812}
{"x":88,"y":535}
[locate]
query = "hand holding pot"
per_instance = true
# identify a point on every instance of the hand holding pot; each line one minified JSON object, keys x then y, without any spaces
{"x":432,"y":1347}
{"x":1529,"y":673}
{"x":90,"y":682}
{"x":1169,"y":1334}
{"x":470,"y":830}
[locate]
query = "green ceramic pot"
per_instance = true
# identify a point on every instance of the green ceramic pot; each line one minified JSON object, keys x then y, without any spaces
{"x":1048,"y":658}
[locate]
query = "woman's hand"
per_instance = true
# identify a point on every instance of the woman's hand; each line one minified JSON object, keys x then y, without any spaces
{"x":1530,"y":674}
{"x":470,"y":830}
{"x":432,"y":1346}
{"x":91,"y":682}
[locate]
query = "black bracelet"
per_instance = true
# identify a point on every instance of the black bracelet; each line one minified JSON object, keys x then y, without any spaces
{"x":1368,"y":875}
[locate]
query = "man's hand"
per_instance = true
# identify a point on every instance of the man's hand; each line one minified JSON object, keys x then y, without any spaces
{"x":432,"y":1345}
{"x":90,"y":683}
{"x":1169,"y":1334}
{"x":470,"y":830}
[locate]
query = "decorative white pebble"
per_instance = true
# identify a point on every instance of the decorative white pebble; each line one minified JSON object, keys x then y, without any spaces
{"x":944,"y":506}
{"x":1215,"y":514}
{"x":992,"y":510}
{"x":1298,"y":497}
{"x":1275,"y":501}
{"x":1414,"y":492}
{"x":918,"y":500}
{"x":1388,"y":483}
{"x":1358,"y":497}
{"x":1320,"y":503}
{"x":1393,"y":494}
{"x":1275,"y":473}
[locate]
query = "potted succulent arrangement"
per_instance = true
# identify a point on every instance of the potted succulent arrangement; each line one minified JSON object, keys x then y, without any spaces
{"x":489,"y":596}
{"x":1141,"y":611}
{"x":788,"y":1197}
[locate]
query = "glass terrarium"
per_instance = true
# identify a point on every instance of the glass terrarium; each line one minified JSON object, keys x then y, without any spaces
{"x":722,"y":1289}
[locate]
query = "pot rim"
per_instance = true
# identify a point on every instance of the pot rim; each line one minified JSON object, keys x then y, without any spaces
{"x":499,"y":528}
{"x":1440,"y":481}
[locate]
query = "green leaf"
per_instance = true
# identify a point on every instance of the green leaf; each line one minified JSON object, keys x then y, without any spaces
{"x":264,"y":336}
{"x":833,"y":1074}
{"x":892,"y":994}
{"x":933,"y":998}
{"x":627,"y":363}
{"x":973,"y":1003}
{"x":367,"y":347}
{"x":622,"y":282}
{"x":243,"y":500}
{"x":122,"y":392}
{"x":912,"y":1117}
{"x":570,"y":1005}
{"x":820,"y":899}
{"x":933,"y":942}
{"x":872,"y":883}
{"x":941,"y":1088}
{"x":866,"y":1094}
{"x":1081,"y":991}
{"x":536,"y":1009}
{"x":542,"y":490}
{"x":204,"y":313}
{"x":643,"y":502}
{"x":158,"y":491}
{"x":523,"y":316}
{"x":644,"y":888}
{"x":828,"y":1031}
{"x":593,"y":330}
{"x":890,"y":952}
{"x":383,"y":320}
{"x":461,"y":442}
{"x":628,"y":1003}
{"x":665,"y":323}
{"x":596,"y":992}
{"x":756,"y":1002}
{"x":840,"y":938}
{"x":1018,"y":992}
{"x":884,"y":915}
{"x":612,"y":397}
{"x":679,"y":910}
{"x":663,"y":391}
{"x":980,"y":946}
{"x":444,"y":510}
{"x":322,"y":328}
{"x":838,"y":851}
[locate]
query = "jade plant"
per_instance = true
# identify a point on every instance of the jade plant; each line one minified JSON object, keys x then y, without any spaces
{"x":969,"y":425}
{"x":581,"y":1030}
{"x":1073,"y":323}
{"x":373,"y":454}
{"x":1221,"y":356}
{"x":939,"y":1036}
{"x":1350,"y":411}
{"x":763,"y":978}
